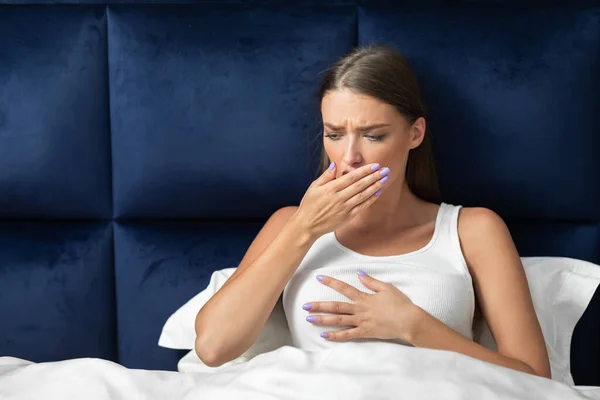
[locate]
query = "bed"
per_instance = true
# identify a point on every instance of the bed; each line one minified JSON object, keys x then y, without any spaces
{"x":143,"y":144}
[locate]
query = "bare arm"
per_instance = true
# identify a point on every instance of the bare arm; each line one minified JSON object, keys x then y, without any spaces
{"x":434,"y":334}
{"x":232,"y":319}
{"x":501,"y":288}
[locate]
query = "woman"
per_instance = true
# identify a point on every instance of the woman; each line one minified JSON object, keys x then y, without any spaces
{"x":371,"y":253}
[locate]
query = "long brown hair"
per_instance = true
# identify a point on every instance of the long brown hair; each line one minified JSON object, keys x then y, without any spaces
{"x":382,"y":73}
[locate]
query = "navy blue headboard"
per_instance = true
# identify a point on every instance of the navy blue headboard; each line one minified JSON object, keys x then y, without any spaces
{"x":142,"y":146}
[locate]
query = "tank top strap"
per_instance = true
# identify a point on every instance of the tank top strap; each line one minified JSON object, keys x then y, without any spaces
{"x":445,"y":221}
{"x":447,"y":243}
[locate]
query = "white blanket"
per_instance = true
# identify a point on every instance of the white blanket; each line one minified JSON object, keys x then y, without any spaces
{"x":349,"y":371}
{"x":561,"y":289}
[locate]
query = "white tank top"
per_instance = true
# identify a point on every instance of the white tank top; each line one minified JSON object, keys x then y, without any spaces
{"x":435,"y":277}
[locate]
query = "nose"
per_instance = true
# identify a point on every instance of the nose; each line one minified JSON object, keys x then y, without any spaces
{"x":352,"y":156}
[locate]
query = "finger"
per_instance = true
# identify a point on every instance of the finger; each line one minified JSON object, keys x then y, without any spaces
{"x":350,"y":178}
{"x":332,"y":320}
{"x":326,"y":176}
{"x":370,"y":195}
{"x":336,"y":307}
{"x":371,"y":283}
{"x":341,"y":336}
{"x":342,"y":287}
{"x":364,"y":205}
{"x":361,"y":185}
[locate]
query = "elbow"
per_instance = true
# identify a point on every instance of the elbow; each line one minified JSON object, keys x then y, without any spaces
{"x":206,"y":349}
{"x":212,"y":347}
{"x":547,"y":375}
{"x":543,"y":371}
{"x":542,"y":368}
{"x":208,"y":353}
{"x":543,"y":374}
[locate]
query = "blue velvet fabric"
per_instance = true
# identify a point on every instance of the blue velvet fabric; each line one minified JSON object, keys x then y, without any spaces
{"x":136,"y":115}
{"x":54,"y":128}
{"x":57,"y":291}
{"x":514,"y":94}
{"x":204,"y":115}
{"x":159,"y":267}
{"x":557,"y":239}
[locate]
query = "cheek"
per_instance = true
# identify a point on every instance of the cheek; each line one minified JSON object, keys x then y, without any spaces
{"x":394,"y":157}
{"x":333,"y":150}
{"x":385,"y":155}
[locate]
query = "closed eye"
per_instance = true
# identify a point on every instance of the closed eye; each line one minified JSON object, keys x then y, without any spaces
{"x":372,"y":138}
{"x":333,"y":136}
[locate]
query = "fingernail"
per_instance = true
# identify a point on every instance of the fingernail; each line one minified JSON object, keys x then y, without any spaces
{"x":375,"y":167}
{"x":324,"y":335}
{"x":320,"y":278}
{"x":332,"y":165}
{"x":384,"y":171}
{"x":384,"y":179}
{"x":361,"y":272}
{"x":311,"y":318}
{"x":377,"y":193}
{"x":307,"y":307}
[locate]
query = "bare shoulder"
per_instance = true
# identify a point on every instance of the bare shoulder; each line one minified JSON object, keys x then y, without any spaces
{"x":479,"y":229}
{"x":477,"y":218}
{"x":474,"y":221}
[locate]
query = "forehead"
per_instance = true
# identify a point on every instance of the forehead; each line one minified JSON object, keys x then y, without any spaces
{"x":341,"y":105}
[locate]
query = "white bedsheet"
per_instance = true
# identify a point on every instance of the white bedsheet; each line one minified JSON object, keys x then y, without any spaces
{"x":350,"y":371}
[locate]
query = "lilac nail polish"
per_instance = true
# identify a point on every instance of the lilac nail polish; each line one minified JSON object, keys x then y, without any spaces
{"x":384,"y":171}
{"x":307,"y":307}
{"x":332,"y":165}
{"x":384,"y":179}
{"x":375,"y":167}
{"x":320,"y":278}
{"x":311,"y":318}
{"x":377,"y":193}
{"x":361,"y":272}
{"x":324,"y":335}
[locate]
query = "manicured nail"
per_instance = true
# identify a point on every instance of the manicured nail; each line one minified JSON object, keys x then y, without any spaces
{"x":384,"y":171}
{"x":375,"y":167}
{"x":320,"y":278}
{"x":324,"y":335}
{"x":311,"y":318}
{"x":332,"y":165}
{"x":377,"y":193}
{"x":307,"y":307}
{"x":384,"y":179}
{"x":361,"y":272}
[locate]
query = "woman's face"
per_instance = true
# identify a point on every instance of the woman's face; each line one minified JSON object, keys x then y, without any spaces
{"x":360,"y":130}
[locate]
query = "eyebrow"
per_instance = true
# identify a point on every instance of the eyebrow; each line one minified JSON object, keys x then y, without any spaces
{"x":359,"y":129}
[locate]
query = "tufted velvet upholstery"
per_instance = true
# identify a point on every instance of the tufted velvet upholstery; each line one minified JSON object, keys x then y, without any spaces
{"x":143,"y":145}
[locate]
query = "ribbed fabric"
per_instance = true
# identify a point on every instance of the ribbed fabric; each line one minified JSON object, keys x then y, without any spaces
{"x":435,"y":278}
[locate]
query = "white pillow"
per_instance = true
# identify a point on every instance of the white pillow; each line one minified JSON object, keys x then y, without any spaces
{"x":561,"y":289}
{"x":179,"y":330}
